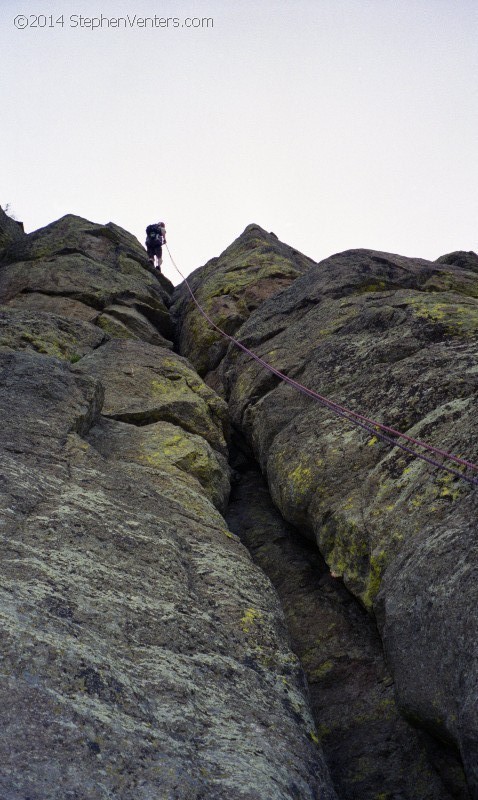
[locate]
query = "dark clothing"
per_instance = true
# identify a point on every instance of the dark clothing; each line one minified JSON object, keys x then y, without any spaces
{"x":155,"y":238}
{"x":154,"y":249}
{"x":155,"y":234}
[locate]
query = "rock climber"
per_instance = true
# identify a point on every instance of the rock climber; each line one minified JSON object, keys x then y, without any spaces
{"x":155,"y":238}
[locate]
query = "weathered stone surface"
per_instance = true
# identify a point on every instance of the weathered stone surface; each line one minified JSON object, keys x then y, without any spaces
{"x":77,"y":277}
{"x":254,"y":267}
{"x":53,"y":304}
{"x":108,"y":244}
{"x":114,"y":328}
{"x":48,"y":333}
{"x":370,"y":750}
{"x":427,"y":613}
{"x":146,"y":384}
{"x":10,"y":230}
{"x":168,"y":449}
{"x":405,"y":357}
{"x":461,"y":258}
{"x":95,"y":265}
{"x":49,"y":402}
{"x":394,"y":338}
{"x":143,"y":654}
{"x":133,"y":321}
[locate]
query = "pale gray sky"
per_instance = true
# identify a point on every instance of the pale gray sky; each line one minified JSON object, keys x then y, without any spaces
{"x":333,"y":123}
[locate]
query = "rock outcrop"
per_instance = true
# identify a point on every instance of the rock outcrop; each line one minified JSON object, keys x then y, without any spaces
{"x":10,"y":230}
{"x":254,"y":267}
{"x":460,"y":258}
{"x":367,"y":743}
{"x":144,"y":655}
{"x":394,"y":338}
{"x":427,"y":613}
{"x":94,"y":273}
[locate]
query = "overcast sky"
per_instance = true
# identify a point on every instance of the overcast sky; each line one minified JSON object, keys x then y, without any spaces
{"x":333,"y":123}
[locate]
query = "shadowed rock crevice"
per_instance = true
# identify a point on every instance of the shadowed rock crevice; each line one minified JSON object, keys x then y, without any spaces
{"x":143,"y":654}
{"x":396,"y":339}
{"x":399,"y":374}
{"x":367,"y":743}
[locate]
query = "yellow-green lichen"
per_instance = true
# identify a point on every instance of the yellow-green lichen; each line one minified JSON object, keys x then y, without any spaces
{"x":368,"y":288}
{"x":113,"y":327}
{"x":458,"y":316}
{"x":189,"y":453}
{"x":321,"y":733}
{"x":299,"y":480}
{"x":378,"y":562}
{"x":346,"y":547}
{"x":250,"y":618}
{"x":314,"y":737}
{"x":321,"y":671}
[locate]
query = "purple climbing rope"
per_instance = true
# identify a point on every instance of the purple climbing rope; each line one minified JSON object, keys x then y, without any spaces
{"x":385,"y":433}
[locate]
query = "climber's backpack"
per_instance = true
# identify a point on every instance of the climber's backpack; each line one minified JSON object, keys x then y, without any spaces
{"x":154,"y":234}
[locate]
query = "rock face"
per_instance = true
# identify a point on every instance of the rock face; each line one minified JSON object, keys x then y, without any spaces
{"x":144,"y":655}
{"x":367,"y":744}
{"x":254,"y":267}
{"x":427,"y":612}
{"x":10,"y":230}
{"x":92,"y":272}
{"x":391,"y":337}
{"x":460,"y":258}
{"x":394,"y":338}
{"x":49,"y":334}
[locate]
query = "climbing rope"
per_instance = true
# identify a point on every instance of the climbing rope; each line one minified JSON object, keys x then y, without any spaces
{"x":383,"y":432}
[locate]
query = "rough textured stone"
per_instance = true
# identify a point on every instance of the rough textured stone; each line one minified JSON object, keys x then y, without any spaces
{"x":115,"y":328}
{"x":79,"y":278}
{"x":10,"y":230}
{"x":367,"y":744}
{"x":461,"y":258}
{"x":394,"y":338}
{"x":143,"y":654}
{"x":145,"y":384}
{"x":169,"y":449}
{"x":62,"y":403}
{"x":95,"y":265}
{"x":53,"y":304}
{"x":48,"y":333}
{"x":108,"y":244}
{"x":404,"y":357}
{"x":254,"y":267}
{"x":132,"y":321}
{"x":427,"y":613}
